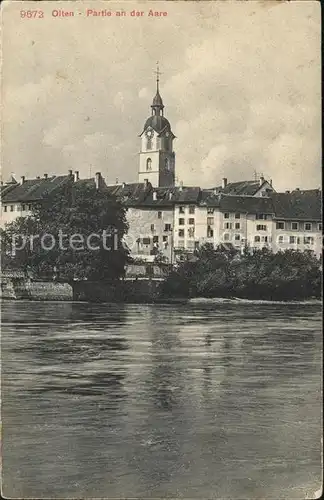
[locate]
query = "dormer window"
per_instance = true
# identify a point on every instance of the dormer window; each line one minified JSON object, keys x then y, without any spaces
{"x":149,"y":164}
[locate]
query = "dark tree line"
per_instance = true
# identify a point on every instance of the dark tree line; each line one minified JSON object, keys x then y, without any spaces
{"x":287,"y":275}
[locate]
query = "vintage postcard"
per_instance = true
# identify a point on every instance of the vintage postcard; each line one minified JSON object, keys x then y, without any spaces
{"x":161,"y":250}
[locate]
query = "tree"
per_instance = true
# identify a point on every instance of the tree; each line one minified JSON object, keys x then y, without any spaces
{"x":76,"y":232}
{"x":222,"y":272}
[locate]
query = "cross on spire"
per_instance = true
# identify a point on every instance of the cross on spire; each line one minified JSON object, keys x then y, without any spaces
{"x":158,"y":73}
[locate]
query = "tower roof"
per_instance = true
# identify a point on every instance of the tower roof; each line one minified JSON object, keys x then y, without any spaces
{"x":158,"y":123}
{"x":157,"y":100}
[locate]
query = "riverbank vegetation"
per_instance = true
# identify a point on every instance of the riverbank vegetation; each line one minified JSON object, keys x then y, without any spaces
{"x":221,"y":272}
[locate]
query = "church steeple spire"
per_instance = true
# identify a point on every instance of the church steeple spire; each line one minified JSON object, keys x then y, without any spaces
{"x":157,"y":104}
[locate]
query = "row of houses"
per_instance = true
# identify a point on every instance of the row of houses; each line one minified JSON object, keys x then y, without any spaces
{"x":171,"y":222}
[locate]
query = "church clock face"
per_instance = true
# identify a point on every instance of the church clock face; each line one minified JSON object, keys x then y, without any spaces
{"x":149,"y":133}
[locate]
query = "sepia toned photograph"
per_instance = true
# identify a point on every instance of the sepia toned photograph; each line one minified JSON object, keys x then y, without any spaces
{"x":161,"y":250}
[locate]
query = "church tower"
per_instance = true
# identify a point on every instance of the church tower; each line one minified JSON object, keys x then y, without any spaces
{"x":157,"y":159}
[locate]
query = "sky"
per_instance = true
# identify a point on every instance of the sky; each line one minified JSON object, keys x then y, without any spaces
{"x":240,"y":84}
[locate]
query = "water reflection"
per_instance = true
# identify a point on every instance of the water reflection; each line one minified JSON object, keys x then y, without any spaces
{"x":187,"y":401}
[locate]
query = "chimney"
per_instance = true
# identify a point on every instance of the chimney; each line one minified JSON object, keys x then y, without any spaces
{"x":123,"y":185}
{"x":38,"y":177}
{"x":297,"y":189}
{"x":22,"y":179}
{"x":45,"y":176}
{"x":270,"y":182}
{"x":224,"y":182}
{"x":154,"y":195}
{"x":170,"y":195}
{"x":117,"y":180}
{"x":287,"y":192}
{"x":76,"y":175}
{"x":145,"y":183}
{"x":70,"y":172}
{"x":97,"y":180}
{"x":261,"y":180}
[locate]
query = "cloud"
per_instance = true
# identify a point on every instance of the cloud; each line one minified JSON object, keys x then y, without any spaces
{"x":240,"y":82}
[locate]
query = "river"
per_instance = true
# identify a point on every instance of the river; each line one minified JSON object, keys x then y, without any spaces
{"x":201,"y":400}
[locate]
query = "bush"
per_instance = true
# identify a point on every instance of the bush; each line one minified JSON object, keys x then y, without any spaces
{"x":288,"y":275}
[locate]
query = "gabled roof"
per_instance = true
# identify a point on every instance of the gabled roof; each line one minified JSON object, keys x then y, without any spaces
{"x":243,"y":188}
{"x":246,"y":204}
{"x":210,"y":198}
{"x":139,"y":194}
{"x":306,"y":205}
{"x":130,"y":194}
{"x":32,"y":189}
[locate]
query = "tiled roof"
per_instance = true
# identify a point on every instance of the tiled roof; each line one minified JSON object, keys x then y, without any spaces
{"x":243,"y":188}
{"x":210,"y":198}
{"x":138,"y":194}
{"x":31,"y":189}
{"x":246,"y":204}
{"x":306,"y":205}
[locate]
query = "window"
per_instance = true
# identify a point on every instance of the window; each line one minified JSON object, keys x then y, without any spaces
{"x":146,"y":241}
{"x":152,"y":227}
{"x":210,"y":232}
{"x":191,"y":232}
{"x":257,"y":239}
{"x":29,"y":207}
{"x":181,"y":222}
{"x":261,"y":227}
{"x":210,"y":221}
{"x":294,"y":226}
{"x":308,"y":240}
{"x":192,"y":209}
{"x":155,"y":239}
{"x":12,"y":207}
{"x":181,"y":210}
{"x":261,"y":216}
{"x":228,"y":225}
{"x":226,"y":237}
{"x":308,"y":226}
{"x":226,"y":215}
{"x":280,"y":239}
{"x":159,"y":215}
{"x":264,"y":239}
{"x":237,"y":215}
{"x":181,"y":233}
{"x":167,"y":227}
{"x":149,"y":143}
{"x":191,"y":221}
{"x":237,"y":237}
{"x":292,"y":240}
{"x":181,"y":243}
{"x":237,"y":225}
{"x":280,"y":225}
{"x":164,"y":238}
{"x":210,"y":210}
{"x":298,"y":240}
{"x":149,"y":164}
{"x":319,"y":227}
{"x":23,"y":208}
{"x":5,"y":208}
